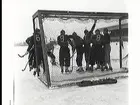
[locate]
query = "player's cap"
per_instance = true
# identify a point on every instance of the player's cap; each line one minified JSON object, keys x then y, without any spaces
{"x":85,"y":31}
{"x":62,"y":31}
{"x":74,"y":33}
{"x":105,"y":29}
{"x":97,"y":30}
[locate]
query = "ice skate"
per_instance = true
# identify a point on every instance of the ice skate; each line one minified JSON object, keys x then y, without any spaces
{"x":80,"y":70}
{"x":110,"y":68}
{"x":105,"y":68}
{"x":34,"y":73}
{"x":30,"y":68}
{"x":102,"y":68}
{"x":87,"y":68}
{"x":98,"y":67}
{"x":67,"y":70}
{"x":62,"y":70}
{"x":90,"y":69}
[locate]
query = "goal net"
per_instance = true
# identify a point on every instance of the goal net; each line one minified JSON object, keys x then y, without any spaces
{"x":52,"y":28}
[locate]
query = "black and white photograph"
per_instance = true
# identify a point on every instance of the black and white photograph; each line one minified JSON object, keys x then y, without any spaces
{"x":67,"y":52}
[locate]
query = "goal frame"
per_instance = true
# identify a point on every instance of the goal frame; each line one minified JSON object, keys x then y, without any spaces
{"x":72,"y":14}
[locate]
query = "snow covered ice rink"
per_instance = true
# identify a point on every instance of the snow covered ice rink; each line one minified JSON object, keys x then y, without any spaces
{"x":30,"y":91}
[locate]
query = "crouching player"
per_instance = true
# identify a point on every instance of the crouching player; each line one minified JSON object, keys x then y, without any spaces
{"x":50,"y":49}
{"x":79,"y":46}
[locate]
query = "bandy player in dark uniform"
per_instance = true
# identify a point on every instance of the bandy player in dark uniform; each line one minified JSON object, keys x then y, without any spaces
{"x":107,"y":49}
{"x":99,"y":49}
{"x":39,"y":53}
{"x":34,"y":42}
{"x":64,"y":52}
{"x":87,"y":41}
{"x":31,"y":51}
{"x":92,"y":59}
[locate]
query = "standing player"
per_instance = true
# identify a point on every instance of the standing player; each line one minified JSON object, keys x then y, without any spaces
{"x":87,"y":41}
{"x":99,"y":49}
{"x":79,"y":46}
{"x":34,"y":42}
{"x":64,"y":52}
{"x":93,"y":53}
{"x":39,"y":53}
{"x":107,"y":49}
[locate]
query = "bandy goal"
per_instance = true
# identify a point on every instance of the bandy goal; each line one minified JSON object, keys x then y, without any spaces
{"x":50,"y":24}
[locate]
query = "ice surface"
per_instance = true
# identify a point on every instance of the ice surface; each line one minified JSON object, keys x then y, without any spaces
{"x":30,"y":91}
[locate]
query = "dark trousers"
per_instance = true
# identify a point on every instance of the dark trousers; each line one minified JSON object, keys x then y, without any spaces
{"x":64,"y":56}
{"x":32,"y":60}
{"x":79,"y":57}
{"x":99,"y":54}
{"x":92,"y":56}
{"x":107,"y":53}
{"x":87,"y":53}
{"x":39,"y":55}
{"x":30,"y":57}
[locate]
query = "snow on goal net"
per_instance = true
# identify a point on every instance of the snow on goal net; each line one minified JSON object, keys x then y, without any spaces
{"x":52,"y":28}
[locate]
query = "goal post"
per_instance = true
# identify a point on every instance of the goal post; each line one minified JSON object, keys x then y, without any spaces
{"x":51,"y":23}
{"x":44,"y":75}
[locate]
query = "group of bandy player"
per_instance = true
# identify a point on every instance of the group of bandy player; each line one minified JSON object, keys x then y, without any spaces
{"x":96,"y":48}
